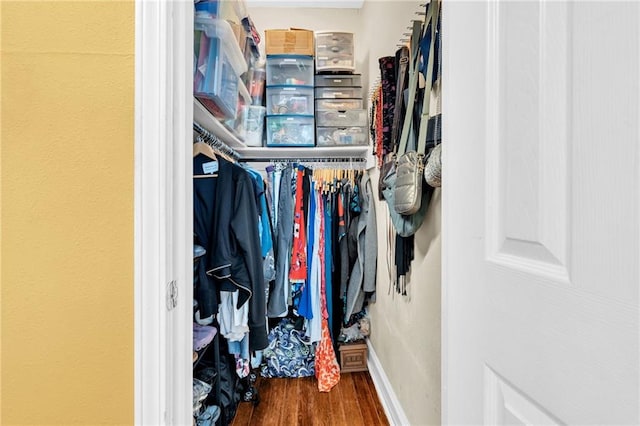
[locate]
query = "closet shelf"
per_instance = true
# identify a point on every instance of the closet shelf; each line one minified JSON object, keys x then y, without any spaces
{"x":214,"y":126}
{"x":302,"y":153}
{"x":222,"y":132}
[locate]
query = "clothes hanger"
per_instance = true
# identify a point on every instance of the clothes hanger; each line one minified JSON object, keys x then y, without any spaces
{"x":205,"y":149}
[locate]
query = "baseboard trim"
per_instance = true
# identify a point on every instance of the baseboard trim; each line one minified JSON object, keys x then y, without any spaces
{"x":392,"y":408}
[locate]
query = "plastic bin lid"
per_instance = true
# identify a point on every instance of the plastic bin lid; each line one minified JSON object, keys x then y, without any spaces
{"x":219,"y":28}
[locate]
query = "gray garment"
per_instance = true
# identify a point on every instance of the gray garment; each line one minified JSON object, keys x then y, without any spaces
{"x":363,"y":275}
{"x":277,"y":304}
{"x":344,"y":241}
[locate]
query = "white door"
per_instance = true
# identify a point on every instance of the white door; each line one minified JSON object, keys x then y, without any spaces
{"x":541,"y":212}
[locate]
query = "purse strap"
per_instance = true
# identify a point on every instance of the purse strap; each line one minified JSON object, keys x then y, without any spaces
{"x":403,"y":56}
{"x":414,"y":73}
{"x":413,"y":82}
{"x":426,"y":104}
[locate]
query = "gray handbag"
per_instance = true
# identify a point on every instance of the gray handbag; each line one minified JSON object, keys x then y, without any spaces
{"x":433,"y":168}
{"x":410,"y":164}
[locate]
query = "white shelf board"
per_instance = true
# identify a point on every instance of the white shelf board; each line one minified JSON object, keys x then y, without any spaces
{"x":214,"y":126}
{"x":304,"y":152}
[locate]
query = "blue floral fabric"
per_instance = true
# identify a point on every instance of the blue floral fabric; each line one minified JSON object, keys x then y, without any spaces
{"x":287,"y":354}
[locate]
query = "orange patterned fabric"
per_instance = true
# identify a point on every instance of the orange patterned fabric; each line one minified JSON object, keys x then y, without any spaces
{"x":327,"y":368}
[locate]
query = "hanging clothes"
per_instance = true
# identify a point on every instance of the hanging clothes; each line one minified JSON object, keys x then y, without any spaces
{"x":388,"y":81}
{"x":327,"y":368}
{"x":362,"y":280}
{"x":284,"y":214}
{"x":204,"y":200}
{"x":298,"y":267}
{"x":328,"y":259}
{"x":225,"y":207}
{"x":326,"y":250}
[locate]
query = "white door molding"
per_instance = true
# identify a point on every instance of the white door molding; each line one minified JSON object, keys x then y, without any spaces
{"x":163,"y":211}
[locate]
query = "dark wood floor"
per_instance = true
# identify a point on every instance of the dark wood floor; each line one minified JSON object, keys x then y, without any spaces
{"x":353,"y":401}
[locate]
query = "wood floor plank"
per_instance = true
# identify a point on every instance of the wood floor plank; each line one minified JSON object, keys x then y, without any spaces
{"x":271,"y":401}
{"x":350,"y":401}
{"x":293,"y":395}
{"x":324,"y":411}
{"x":243,"y":414}
{"x":306,"y":402}
{"x":368,"y":400}
{"x":376,"y":401}
{"x":337,"y":408}
{"x":297,"y":402}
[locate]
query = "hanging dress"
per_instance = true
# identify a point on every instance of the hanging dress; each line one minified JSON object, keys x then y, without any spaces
{"x":327,"y":368}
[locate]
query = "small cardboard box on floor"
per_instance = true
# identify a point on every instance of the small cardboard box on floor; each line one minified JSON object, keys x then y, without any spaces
{"x":353,"y":356}
{"x":294,"y":41}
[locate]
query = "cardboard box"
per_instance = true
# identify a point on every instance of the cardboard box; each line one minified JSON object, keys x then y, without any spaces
{"x":294,"y":41}
{"x":353,"y":357}
{"x":239,"y":34}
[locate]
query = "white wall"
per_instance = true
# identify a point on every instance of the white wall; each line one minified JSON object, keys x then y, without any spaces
{"x":405,"y":331}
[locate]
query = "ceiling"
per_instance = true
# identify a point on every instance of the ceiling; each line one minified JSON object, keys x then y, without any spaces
{"x":335,"y":4}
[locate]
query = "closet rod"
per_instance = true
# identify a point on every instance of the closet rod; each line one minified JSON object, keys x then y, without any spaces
{"x":326,"y":162}
{"x":215,"y":142}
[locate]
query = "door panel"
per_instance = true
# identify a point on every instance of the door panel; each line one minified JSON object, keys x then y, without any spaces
{"x":541,"y":212}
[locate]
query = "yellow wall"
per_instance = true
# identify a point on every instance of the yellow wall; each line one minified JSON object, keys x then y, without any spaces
{"x":67,"y":133}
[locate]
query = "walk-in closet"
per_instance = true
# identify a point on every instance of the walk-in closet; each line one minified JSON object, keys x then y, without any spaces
{"x":316,"y":212}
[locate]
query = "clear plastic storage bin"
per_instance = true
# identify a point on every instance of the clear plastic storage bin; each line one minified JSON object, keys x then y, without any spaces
{"x":291,"y":70}
{"x":338,"y":104}
{"x":334,"y":136}
{"x":219,"y":64}
{"x":256,"y":85}
{"x":338,"y":92}
{"x":338,"y":80}
{"x":252,"y":125}
{"x":334,"y":52}
{"x":335,"y":62}
{"x":332,"y":38}
{"x":290,"y":130}
{"x":351,"y":118}
{"x":290,"y":100}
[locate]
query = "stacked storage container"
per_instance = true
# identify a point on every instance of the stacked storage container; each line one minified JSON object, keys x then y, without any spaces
{"x":289,"y":89}
{"x":219,"y":63}
{"x":335,"y":52}
{"x":340,"y":115}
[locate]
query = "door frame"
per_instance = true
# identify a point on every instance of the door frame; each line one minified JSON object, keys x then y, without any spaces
{"x":164,"y":114}
{"x":163,"y":212}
